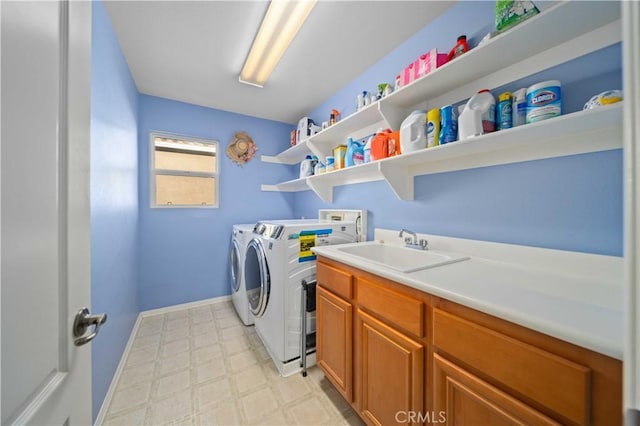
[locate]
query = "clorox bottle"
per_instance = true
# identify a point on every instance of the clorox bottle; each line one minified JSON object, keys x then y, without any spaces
{"x":413,"y":132}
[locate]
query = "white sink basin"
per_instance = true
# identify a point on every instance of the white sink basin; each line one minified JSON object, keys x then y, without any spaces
{"x":402,"y":259}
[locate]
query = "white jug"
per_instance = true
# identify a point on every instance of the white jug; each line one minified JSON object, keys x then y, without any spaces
{"x":478,"y":116}
{"x":413,"y":132}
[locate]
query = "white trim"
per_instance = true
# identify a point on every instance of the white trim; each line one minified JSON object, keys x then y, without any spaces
{"x":0,"y":218}
{"x":144,"y":314}
{"x":106,"y":402}
{"x":189,"y":305}
{"x":631,"y":132}
{"x":46,"y":393}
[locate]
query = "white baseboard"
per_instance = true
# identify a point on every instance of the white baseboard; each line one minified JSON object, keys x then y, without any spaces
{"x":114,"y":381}
{"x":189,"y":305}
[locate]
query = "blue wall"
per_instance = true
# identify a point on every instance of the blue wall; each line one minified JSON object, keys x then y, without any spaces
{"x":183,"y":252}
{"x":114,"y":201}
{"x":569,"y":203}
{"x":472,"y":18}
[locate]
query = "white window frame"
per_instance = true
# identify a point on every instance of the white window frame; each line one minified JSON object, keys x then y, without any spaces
{"x":153,"y":171}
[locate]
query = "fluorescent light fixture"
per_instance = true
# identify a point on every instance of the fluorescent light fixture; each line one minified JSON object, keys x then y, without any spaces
{"x":279,"y":26}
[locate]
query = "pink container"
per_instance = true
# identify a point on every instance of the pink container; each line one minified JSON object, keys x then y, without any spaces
{"x":428,"y":62}
{"x":422,"y":66}
{"x":408,"y":74}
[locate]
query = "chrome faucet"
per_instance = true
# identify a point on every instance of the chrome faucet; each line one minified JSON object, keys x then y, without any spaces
{"x":413,"y":242}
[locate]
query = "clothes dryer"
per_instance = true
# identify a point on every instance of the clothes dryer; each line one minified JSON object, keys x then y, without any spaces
{"x":240,"y":237}
{"x":278,"y":258}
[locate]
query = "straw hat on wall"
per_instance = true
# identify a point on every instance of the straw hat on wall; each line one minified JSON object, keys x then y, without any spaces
{"x":241,"y":149}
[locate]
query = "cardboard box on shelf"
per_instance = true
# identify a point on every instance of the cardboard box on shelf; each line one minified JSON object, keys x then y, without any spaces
{"x":428,"y":62}
{"x":394,"y":143}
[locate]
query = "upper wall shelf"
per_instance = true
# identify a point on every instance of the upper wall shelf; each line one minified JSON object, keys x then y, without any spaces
{"x":555,"y":36}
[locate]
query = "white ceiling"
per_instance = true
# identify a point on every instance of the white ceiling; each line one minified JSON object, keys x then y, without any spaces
{"x":192,"y":51}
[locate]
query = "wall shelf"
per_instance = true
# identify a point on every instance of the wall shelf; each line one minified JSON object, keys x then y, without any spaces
{"x":561,"y":33}
{"x":295,"y":185}
{"x":291,"y":156}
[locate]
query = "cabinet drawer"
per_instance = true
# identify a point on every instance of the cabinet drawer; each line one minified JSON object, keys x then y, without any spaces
{"x":335,"y":280}
{"x":463,"y":399}
{"x":396,"y":308}
{"x":554,"y":382}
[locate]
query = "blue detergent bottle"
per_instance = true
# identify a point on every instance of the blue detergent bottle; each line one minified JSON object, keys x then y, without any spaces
{"x":355,"y":153}
{"x":449,"y":129}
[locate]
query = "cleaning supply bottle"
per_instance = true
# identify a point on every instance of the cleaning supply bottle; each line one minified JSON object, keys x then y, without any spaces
{"x":334,"y":117}
{"x":355,"y":153}
{"x":367,"y":149}
{"x":478,"y":116}
{"x":329,"y":163}
{"x":358,"y":153}
{"x":460,"y":48}
{"x":306,"y":169}
{"x":380,"y":145}
{"x":413,"y":132}
{"x":519,"y":107}
{"x":433,"y":127}
{"x":504,"y":112}
{"x":449,"y":125}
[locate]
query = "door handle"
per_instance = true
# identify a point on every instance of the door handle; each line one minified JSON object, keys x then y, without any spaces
{"x":82,"y":322}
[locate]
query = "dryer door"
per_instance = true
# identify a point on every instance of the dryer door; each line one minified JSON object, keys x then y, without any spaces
{"x":234,"y":265}
{"x":256,"y":277}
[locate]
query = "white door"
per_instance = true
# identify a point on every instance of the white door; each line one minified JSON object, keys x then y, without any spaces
{"x":45,"y":228}
{"x":631,"y":73}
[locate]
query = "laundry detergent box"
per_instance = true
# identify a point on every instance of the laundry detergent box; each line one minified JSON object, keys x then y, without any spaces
{"x":339,"y":154}
{"x":408,"y":74}
{"x":509,"y":13}
{"x":428,"y":62}
{"x":393,"y":146}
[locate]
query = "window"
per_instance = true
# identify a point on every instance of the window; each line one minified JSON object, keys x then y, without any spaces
{"x":184,"y":172}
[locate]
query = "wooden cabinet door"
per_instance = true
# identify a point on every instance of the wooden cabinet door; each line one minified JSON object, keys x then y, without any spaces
{"x":463,"y":399}
{"x":334,"y":340}
{"x":391,"y":373}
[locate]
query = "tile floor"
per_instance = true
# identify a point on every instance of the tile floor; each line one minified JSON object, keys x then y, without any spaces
{"x":202,"y":366}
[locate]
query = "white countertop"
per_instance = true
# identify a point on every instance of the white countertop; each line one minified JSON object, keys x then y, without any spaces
{"x":576,"y":297}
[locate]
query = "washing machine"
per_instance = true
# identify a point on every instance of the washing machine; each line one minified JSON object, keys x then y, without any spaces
{"x":277,"y":259}
{"x":240,"y":237}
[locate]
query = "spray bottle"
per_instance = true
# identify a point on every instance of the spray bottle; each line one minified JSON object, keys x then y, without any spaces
{"x":334,"y":117}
